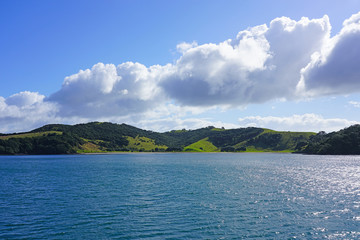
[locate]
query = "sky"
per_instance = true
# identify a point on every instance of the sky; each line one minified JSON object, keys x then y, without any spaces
{"x":163,"y":65}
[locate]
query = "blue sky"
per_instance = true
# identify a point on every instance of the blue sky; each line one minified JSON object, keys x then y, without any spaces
{"x":164,"y":65}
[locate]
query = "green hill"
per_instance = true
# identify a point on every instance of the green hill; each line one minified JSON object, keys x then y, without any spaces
{"x":108,"y":137}
{"x":343,"y":142}
{"x":202,"y":145}
{"x":270,"y":141}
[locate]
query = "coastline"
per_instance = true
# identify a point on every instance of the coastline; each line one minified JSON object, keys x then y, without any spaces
{"x":112,"y":153}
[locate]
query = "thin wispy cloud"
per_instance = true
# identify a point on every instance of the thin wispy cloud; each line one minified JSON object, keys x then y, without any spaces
{"x":309,"y":122}
{"x":355,"y":104}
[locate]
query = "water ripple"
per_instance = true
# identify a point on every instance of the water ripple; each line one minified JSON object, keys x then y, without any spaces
{"x":180,"y":196}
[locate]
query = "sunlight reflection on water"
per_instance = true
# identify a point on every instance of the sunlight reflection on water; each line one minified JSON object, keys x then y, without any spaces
{"x":157,"y":196}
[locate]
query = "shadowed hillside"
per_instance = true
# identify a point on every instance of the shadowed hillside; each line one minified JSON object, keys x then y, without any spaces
{"x":343,"y":142}
{"x":108,"y":137}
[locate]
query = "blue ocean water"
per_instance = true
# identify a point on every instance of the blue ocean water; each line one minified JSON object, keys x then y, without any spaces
{"x":180,"y":196}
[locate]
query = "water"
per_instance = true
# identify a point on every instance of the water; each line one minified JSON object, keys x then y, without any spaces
{"x":180,"y":196}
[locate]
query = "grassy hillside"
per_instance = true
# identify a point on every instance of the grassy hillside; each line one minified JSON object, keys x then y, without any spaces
{"x":202,"y":145}
{"x":106,"y":137}
{"x":270,"y":141}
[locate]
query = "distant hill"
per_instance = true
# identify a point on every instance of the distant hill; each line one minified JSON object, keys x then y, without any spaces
{"x":343,"y":142}
{"x":98,"y":137}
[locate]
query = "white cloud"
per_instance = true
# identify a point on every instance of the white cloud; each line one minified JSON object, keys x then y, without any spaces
{"x":183,"y":47}
{"x":215,"y":74}
{"x":107,"y":90}
{"x":336,"y":68}
{"x":173,"y":123}
{"x":25,"y":98}
{"x":307,"y":122}
{"x":286,"y":60}
{"x":24,"y":111}
{"x":355,"y":104}
{"x":260,"y":64}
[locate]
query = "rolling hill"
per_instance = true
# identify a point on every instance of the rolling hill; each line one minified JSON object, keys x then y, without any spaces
{"x":98,"y":137}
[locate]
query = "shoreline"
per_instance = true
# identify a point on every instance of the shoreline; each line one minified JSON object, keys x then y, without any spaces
{"x":111,"y":153}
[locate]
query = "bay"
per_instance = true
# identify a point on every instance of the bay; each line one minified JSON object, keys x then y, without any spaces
{"x":180,"y":196}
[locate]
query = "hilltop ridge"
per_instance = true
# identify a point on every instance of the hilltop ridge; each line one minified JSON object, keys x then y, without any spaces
{"x":99,"y":137}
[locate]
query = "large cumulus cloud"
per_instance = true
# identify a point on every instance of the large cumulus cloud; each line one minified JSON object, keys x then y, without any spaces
{"x":286,"y":59}
{"x":335,"y":69}
{"x":107,"y":90}
{"x":260,"y":64}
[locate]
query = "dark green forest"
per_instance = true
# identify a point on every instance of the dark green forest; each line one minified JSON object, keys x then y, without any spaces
{"x":47,"y":144}
{"x":343,"y":142}
{"x":96,"y":137}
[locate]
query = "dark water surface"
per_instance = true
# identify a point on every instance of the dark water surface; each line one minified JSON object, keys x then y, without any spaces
{"x":180,"y":196}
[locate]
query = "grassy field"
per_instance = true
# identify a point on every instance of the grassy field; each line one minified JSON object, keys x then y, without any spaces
{"x":201,"y":146}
